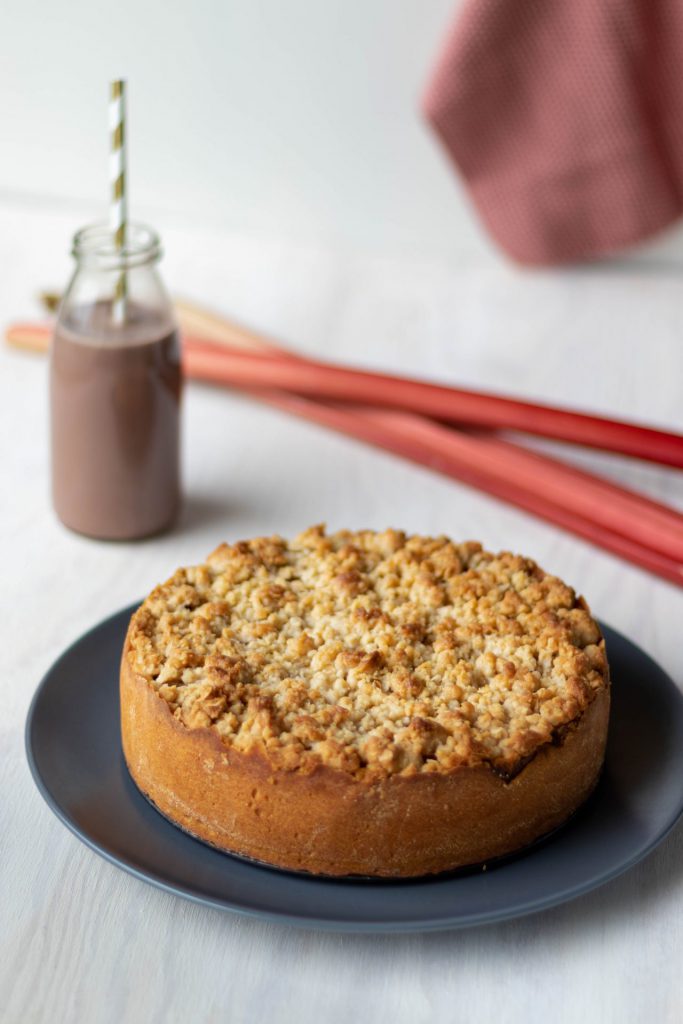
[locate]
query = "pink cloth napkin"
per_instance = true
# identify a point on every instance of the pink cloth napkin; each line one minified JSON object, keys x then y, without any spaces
{"x":565,"y":117}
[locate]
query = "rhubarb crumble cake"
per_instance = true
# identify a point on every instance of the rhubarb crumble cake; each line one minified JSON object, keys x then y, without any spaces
{"x":364,"y":703}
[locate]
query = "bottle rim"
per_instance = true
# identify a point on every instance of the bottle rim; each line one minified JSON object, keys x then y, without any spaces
{"x":95,"y":244}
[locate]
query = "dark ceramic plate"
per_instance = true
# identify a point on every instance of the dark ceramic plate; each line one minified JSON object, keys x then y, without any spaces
{"x":73,"y":746}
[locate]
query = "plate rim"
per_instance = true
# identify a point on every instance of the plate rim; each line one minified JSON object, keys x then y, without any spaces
{"x":307,"y":920}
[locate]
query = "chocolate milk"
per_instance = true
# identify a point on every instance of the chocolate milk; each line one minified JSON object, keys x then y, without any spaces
{"x":115,"y":397}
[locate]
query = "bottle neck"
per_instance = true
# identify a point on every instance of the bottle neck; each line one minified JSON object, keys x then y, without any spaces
{"x":96,"y":305}
{"x":94,"y":248}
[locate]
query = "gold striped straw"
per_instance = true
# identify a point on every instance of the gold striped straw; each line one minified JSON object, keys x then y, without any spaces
{"x":118,"y":209}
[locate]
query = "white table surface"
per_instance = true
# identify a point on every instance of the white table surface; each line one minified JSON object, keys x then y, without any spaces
{"x":82,"y":941}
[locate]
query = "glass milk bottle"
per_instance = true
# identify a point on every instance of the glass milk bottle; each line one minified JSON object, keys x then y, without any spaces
{"x":115,"y":386}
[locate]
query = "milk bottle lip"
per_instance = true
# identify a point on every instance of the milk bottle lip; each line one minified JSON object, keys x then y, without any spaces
{"x":95,"y":244}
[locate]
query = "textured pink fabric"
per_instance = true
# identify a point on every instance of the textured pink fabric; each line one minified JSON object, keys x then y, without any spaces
{"x":565,"y":118}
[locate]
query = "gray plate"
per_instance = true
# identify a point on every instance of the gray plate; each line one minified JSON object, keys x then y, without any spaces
{"x":74,"y":751}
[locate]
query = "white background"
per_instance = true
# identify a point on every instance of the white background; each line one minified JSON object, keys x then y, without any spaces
{"x":294,"y":117}
{"x":278,"y":148}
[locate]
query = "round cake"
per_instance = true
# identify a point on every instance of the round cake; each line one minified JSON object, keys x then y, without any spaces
{"x":364,"y":703}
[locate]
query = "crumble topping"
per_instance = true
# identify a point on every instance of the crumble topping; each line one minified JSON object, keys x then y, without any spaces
{"x":373,"y":653}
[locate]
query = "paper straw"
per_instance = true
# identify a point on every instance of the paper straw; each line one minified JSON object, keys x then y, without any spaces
{"x":118,"y":210}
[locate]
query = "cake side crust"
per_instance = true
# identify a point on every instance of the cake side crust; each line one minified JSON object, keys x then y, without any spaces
{"x":328,"y":821}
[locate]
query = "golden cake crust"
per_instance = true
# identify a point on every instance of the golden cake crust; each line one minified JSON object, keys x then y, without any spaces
{"x":364,"y":703}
